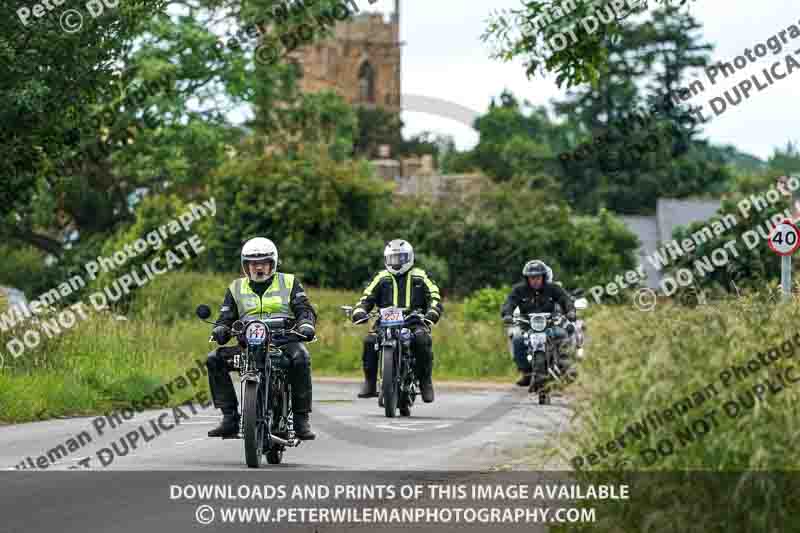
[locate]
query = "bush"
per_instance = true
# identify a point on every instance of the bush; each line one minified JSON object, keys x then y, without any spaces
{"x":24,"y":268}
{"x":485,"y":304}
{"x":320,"y":213}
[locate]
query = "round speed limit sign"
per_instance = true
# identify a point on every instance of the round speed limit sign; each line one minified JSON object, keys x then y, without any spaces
{"x":785,"y":238}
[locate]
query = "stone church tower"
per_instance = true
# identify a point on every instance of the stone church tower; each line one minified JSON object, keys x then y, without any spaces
{"x":360,"y":61}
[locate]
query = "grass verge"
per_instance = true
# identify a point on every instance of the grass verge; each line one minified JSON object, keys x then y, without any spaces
{"x":102,"y":363}
{"x":689,"y":406}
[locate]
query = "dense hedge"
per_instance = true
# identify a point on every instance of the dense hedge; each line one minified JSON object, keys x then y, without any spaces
{"x":331,"y":219}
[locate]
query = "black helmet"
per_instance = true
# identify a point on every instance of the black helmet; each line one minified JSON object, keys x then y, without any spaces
{"x":538,"y":268}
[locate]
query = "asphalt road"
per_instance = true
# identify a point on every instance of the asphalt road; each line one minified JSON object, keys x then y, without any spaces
{"x":466,"y":428}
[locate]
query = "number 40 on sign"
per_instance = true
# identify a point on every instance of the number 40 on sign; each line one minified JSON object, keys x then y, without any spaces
{"x":784,"y":240}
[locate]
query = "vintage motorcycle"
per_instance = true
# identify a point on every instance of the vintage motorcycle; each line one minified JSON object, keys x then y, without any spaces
{"x":395,"y":357}
{"x":266,"y":423}
{"x":547,"y":336}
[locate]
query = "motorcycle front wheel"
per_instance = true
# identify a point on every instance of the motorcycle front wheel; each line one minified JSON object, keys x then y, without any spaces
{"x":389,"y":383}
{"x":253,"y":424}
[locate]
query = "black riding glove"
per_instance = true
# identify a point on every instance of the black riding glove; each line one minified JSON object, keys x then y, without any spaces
{"x":221,"y":334}
{"x":432,"y":315}
{"x":358,"y":315}
{"x":307,"y":330}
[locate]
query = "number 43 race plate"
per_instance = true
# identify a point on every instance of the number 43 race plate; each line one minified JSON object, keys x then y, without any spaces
{"x":785,"y":238}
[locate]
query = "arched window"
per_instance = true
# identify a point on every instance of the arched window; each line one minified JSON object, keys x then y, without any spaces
{"x":366,"y":83}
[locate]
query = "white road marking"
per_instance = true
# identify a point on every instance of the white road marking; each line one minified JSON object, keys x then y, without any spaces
{"x":188,"y":441}
{"x":407,"y":426}
{"x":387,"y":426}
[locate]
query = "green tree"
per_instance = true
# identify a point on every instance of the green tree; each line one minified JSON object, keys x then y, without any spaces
{"x":638,"y":154}
{"x":51,"y":82}
{"x":319,"y":212}
{"x":377,"y":126}
{"x":516,"y":34}
{"x":516,"y":140}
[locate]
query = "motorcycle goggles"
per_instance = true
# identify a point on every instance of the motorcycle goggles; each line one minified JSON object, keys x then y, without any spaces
{"x":398,"y":259}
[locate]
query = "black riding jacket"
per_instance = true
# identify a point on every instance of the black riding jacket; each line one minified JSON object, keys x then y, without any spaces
{"x":388,"y":290}
{"x":536,"y":300}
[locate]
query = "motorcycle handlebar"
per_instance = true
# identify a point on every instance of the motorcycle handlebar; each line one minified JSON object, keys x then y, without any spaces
{"x":414,"y":315}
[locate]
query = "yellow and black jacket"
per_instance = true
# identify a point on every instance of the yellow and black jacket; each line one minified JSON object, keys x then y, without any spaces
{"x":413,"y":290}
{"x":282,"y":296}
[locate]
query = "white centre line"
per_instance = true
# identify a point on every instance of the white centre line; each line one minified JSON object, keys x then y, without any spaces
{"x":188,"y":441}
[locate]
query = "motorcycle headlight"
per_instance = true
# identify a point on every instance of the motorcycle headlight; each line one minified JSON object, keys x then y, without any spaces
{"x":538,"y":323}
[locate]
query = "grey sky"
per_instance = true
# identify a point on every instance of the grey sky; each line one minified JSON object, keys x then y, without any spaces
{"x":444,"y":57}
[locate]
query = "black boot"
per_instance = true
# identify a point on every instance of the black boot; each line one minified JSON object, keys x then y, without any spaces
{"x":369,"y":389}
{"x":302,"y":428}
{"x":229,"y":427}
{"x":524,"y":380}
{"x":426,"y":386}
{"x":423,"y":368}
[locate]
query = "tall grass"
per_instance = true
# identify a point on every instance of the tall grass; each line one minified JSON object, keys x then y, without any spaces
{"x":641,"y":362}
{"x":102,"y":363}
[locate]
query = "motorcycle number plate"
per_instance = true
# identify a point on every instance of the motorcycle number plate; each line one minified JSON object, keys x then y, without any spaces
{"x":538,"y":339}
{"x":256,"y":333}
{"x":392,"y":316}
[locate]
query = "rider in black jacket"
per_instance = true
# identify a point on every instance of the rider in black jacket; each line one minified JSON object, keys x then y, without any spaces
{"x":537,"y":294}
{"x":401,"y":285}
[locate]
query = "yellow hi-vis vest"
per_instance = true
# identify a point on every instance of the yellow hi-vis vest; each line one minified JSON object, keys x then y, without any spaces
{"x":274,"y":303}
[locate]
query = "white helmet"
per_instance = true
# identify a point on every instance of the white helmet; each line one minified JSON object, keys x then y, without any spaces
{"x":259,"y":249}
{"x":398,"y":256}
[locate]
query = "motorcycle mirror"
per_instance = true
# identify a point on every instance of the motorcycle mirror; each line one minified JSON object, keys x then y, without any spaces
{"x":581,"y":303}
{"x":203,"y":312}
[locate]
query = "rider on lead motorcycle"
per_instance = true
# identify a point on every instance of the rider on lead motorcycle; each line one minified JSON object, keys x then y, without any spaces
{"x":537,"y":294}
{"x":261,"y":291}
{"x":400,"y":285}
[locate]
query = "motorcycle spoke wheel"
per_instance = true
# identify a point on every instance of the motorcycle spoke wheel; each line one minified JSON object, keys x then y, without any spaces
{"x":253,"y":422}
{"x":389,"y":384}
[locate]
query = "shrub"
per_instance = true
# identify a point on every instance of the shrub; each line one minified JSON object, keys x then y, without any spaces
{"x":484,"y":304}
